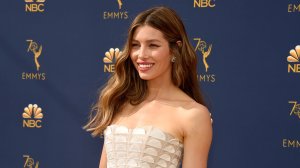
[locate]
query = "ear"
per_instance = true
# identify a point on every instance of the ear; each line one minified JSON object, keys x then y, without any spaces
{"x":179,"y":43}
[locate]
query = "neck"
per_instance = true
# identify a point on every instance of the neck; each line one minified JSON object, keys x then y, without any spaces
{"x":160,"y":89}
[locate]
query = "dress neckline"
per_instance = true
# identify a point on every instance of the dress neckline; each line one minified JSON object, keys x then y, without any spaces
{"x":145,"y":127}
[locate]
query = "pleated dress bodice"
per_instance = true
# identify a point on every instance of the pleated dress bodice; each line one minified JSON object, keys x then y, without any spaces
{"x":141,"y":147}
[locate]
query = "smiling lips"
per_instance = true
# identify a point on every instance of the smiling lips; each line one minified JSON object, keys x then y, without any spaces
{"x":144,"y":66}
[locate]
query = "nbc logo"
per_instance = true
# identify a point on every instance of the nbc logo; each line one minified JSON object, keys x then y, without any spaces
{"x":34,"y":5}
{"x":294,"y":59}
{"x":110,"y":59}
{"x":296,"y":109}
{"x":204,"y":3}
{"x":32,"y":116}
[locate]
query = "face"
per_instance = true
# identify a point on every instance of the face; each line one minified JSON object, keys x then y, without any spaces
{"x":150,"y":54}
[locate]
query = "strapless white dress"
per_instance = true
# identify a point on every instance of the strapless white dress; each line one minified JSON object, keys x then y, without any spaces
{"x":141,"y":147}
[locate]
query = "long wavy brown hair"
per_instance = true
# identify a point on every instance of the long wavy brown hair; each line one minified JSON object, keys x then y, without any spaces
{"x":125,"y":85}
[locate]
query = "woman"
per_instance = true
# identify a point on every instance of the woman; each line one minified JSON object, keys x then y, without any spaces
{"x":151,"y":111}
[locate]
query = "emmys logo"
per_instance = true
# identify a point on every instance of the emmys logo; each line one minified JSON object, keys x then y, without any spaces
{"x":110,"y":59}
{"x":205,"y":52}
{"x":290,"y":143}
{"x":32,"y":116}
{"x":120,"y":4}
{"x":293,"y":8}
{"x":36,"y":51}
{"x":29,"y":162}
{"x":34,"y":5}
{"x":294,"y":60}
{"x":204,"y":3}
{"x":202,"y":46}
{"x":296,"y":109}
{"x":116,"y":14}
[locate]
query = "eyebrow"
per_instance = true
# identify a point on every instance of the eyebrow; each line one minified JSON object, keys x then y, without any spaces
{"x":149,"y":41}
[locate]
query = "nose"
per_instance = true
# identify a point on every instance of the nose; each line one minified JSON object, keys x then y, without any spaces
{"x":143,"y":52}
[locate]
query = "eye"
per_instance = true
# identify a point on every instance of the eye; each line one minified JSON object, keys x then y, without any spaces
{"x":154,"y":45}
{"x":134,"y":45}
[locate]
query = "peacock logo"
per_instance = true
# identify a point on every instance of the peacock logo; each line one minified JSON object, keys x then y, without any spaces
{"x":294,"y":54}
{"x":294,"y":60}
{"x":32,"y":116}
{"x":111,"y":55}
{"x":33,"y":111}
{"x":110,"y":59}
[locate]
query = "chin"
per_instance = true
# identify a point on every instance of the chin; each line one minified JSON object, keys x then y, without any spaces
{"x":145,"y":77}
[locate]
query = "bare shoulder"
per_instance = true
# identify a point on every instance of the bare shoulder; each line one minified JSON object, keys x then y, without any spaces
{"x":194,"y":116}
{"x":191,"y":113}
{"x":197,"y":134}
{"x":195,"y":111}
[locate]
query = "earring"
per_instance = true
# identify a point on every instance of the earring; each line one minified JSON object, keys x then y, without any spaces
{"x":173,"y":59}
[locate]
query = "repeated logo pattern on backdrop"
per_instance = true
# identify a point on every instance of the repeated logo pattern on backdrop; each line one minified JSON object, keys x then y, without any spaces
{"x":296,"y":109}
{"x":32,"y":116}
{"x":34,"y":5}
{"x":294,"y":60}
{"x":294,"y":7}
{"x":29,"y":162}
{"x":204,"y":3}
{"x":34,"y":52}
{"x":118,"y":11}
{"x":204,"y":50}
{"x":294,"y":113}
{"x":109,"y":59}
{"x":55,"y":56}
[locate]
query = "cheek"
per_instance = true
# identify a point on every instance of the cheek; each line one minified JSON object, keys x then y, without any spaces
{"x":163,"y":56}
{"x":133,"y":59}
{"x":133,"y":55}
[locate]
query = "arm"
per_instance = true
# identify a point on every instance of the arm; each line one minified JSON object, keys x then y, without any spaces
{"x":197,"y":138}
{"x":103,"y":158}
